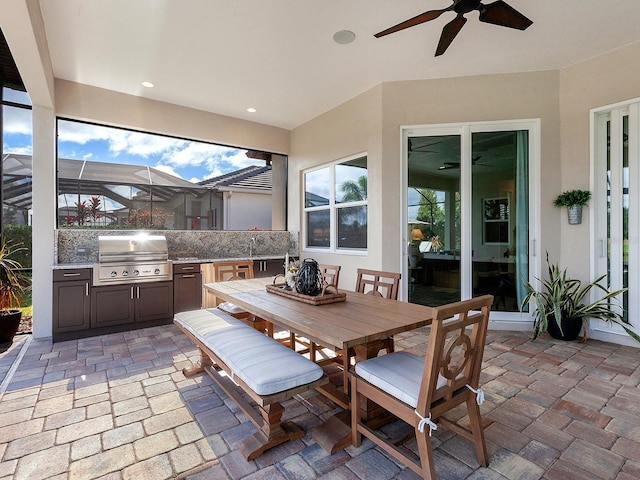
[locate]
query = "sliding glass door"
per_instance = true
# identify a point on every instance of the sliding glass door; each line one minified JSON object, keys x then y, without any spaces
{"x":468,"y":210}
{"x":616,"y":202}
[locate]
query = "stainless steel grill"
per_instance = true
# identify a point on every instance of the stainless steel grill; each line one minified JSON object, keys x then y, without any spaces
{"x":131,"y":259}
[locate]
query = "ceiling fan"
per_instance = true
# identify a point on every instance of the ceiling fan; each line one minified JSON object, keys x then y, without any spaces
{"x":474,"y":161}
{"x":497,"y":13}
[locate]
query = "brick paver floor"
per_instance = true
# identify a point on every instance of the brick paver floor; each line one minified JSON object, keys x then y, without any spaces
{"x":118,"y":407}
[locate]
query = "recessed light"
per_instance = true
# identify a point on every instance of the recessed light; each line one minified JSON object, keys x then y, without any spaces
{"x":251,"y":110}
{"x":343,"y":37}
{"x":148,"y":84}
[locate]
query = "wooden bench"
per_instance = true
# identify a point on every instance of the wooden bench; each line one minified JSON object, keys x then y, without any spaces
{"x":265,"y":370}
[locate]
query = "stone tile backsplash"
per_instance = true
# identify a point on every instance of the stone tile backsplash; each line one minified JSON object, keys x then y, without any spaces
{"x":81,"y":246}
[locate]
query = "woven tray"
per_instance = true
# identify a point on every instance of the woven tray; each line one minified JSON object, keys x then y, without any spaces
{"x":322,"y":299}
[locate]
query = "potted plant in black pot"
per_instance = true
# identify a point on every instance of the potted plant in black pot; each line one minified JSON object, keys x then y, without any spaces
{"x":561,"y":307}
{"x":11,"y":288}
{"x":574,"y":200}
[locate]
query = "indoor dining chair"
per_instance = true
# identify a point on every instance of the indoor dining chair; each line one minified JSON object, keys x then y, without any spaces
{"x":421,"y":390}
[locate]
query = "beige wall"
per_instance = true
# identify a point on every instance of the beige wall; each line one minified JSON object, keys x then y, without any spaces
{"x":349,"y":129}
{"x":598,"y":82}
{"x":371,"y":123}
{"x":83,"y":102}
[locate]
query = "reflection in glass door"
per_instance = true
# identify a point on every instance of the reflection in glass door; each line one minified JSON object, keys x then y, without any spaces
{"x":468,"y":215}
{"x":433,"y":199}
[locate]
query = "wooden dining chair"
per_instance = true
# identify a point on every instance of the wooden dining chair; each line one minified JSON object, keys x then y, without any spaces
{"x":421,"y":390}
{"x":331,"y":277}
{"x":380,"y":284}
{"x":226,"y":272}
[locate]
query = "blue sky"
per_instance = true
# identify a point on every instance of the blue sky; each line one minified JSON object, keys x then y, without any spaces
{"x":189,"y":160}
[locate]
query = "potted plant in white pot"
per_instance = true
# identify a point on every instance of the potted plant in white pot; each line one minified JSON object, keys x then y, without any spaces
{"x":574,"y":200}
{"x":561,"y":307}
{"x":11,"y":289}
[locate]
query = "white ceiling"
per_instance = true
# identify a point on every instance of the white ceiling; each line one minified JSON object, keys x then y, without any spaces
{"x":278,"y":56}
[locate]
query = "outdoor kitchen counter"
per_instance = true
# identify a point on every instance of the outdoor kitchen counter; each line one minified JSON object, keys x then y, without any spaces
{"x":181,"y":260}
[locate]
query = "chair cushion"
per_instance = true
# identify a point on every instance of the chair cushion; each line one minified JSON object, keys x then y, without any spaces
{"x":230,"y":308}
{"x":399,"y":374}
{"x":265,"y":365}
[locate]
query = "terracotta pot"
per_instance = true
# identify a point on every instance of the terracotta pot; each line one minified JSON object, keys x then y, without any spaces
{"x":9,"y":324}
{"x":571,"y":328}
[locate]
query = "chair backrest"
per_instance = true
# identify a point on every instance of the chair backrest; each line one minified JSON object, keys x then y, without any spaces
{"x":454,"y":355}
{"x":375,"y":282}
{"x":330,"y":274}
{"x":226,"y":271}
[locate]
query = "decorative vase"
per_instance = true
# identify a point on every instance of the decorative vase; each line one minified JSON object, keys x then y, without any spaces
{"x":309,"y":278}
{"x":575,"y":214}
{"x":571,"y":328}
{"x":9,"y":324}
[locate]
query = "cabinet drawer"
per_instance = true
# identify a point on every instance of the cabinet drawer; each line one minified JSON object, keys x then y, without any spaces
{"x":71,"y":274}
{"x":186,"y":268}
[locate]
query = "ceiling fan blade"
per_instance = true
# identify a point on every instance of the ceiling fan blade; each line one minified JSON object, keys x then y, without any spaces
{"x":417,"y":20}
{"x":449,"y":32}
{"x":499,"y":13}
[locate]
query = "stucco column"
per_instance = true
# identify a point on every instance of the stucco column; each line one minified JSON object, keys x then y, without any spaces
{"x":44,"y":218}
{"x":279,"y":193}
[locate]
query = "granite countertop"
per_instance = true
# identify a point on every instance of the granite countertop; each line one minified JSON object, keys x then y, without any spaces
{"x":180,"y":260}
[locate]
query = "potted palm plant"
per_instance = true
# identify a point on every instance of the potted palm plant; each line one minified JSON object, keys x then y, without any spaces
{"x":561,"y":307}
{"x":574,"y":200}
{"x":11,"y":288}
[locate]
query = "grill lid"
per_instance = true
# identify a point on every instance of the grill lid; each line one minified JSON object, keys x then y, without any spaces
{"x":132,"y":248}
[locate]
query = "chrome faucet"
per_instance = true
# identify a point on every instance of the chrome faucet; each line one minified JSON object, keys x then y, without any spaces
{"x":251,"y":244}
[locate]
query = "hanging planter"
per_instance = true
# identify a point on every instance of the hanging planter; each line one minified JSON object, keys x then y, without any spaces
{"x":575,"y":214}
{"x":574,"y":200}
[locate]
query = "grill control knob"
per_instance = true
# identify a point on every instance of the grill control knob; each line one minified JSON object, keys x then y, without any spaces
{"x":113,"y":273}
{"x":136,"y":272}
{"x":156,"y":271}
{"x":124,"y":273}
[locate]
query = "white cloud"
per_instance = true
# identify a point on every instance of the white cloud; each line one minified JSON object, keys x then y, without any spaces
{"x":167,"y":169}
{"x":16,"y":121}
{"x":182,"y":158}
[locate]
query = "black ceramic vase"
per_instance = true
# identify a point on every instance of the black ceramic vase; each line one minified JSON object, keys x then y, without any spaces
{"x":309,"y":278}
{"x":571,"y":328}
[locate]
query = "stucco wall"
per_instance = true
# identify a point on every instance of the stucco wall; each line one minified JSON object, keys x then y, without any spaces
{"x":371,"y":123}
{"x":83,"y":102}
{"x":598,"y":82}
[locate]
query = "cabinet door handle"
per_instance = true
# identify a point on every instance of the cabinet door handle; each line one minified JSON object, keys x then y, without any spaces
{"x":86,"y":289}
{"x":70,"y":274}
{"x":188,"y":276}
{"x":187,"y":268}
{"x":137,"y":292}
{"x":131,"y":293}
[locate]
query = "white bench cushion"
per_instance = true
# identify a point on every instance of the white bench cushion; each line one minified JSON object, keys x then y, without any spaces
{"x":262,"y":363}
{"x":399,"y":374}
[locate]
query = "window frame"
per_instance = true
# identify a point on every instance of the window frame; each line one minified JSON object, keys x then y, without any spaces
{"x":333,"y":207}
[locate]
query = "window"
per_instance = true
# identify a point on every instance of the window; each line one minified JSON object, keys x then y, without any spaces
{"x":16,"y":125}
{"x":335,"y":205}
{"x":115,"y":178}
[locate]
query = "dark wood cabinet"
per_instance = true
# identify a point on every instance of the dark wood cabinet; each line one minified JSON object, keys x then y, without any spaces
{"x":71,"y":300}
{"x":112,"y":305}
{"x":153,"y":301}
{"x":268,"y":268}
{"x":131,"y":303}
{"x":187,"y":287}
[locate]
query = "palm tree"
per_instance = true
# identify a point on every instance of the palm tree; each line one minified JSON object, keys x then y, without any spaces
{"x":355,"y":191}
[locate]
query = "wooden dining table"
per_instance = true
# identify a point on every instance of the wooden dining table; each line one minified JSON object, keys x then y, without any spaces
{"x":360,"y":323}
